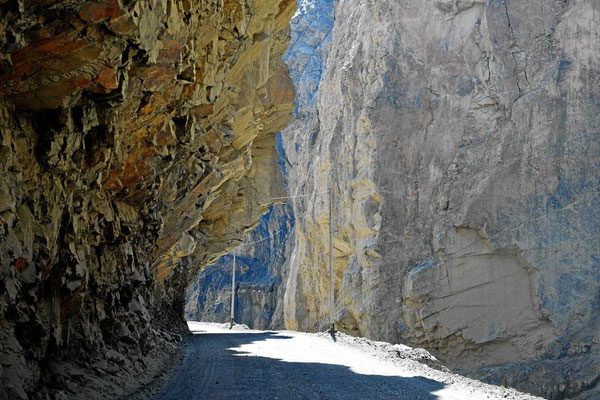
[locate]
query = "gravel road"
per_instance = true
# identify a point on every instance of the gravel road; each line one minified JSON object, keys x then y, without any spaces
{"x":246,"y":364}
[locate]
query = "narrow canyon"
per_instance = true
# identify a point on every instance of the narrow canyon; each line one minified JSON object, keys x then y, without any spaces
{"x":145,"y":143}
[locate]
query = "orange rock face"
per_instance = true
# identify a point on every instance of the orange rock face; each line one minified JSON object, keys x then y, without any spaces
{"x":100,"y":10}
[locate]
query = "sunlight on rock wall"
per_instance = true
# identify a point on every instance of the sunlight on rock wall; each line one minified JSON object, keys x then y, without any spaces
{"x":461,"y":142}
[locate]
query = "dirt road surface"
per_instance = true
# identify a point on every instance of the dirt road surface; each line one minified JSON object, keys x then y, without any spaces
{"x":246,"y":364}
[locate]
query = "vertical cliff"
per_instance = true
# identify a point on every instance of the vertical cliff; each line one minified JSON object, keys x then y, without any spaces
{"x":306,"y":57}
{"x":264,"y":265}
{"x":137,"y":144}
{"x":461,"y":141}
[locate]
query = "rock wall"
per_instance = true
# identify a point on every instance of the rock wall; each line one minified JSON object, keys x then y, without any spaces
{"x":137,"y":144}
{"x":261,"y":293}
{"x":260,"y":277}
{"x":306,"y":57}
{"x":460,"y":139}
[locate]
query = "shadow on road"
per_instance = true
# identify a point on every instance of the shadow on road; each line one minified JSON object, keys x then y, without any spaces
{"x":214,"y":368}
{"x":332,"y":334}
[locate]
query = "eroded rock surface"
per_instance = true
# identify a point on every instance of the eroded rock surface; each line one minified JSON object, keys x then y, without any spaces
{"x":264,"y":266}
{"x":137,"y":144}
{"x":306,"y":57}
{"x":461,"y":141}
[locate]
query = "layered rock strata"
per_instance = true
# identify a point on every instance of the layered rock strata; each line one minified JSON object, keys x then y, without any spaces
{"x":460,"y":139}
{"x":137,"y":144}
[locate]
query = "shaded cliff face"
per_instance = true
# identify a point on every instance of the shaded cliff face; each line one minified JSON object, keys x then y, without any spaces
{"x":262,"y":283}
{"x":461,"y":141}
{"x":260,"y":277}
{"x":137,"y":144}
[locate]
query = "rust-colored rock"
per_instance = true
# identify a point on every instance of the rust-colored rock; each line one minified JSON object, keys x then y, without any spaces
{"x":20,"y":264}
{"x":108,"y":78}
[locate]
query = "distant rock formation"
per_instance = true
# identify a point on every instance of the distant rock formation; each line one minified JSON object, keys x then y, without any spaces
{"x":461,"y":139}
{"x":137,"y":145}
{"x":260,"y":277}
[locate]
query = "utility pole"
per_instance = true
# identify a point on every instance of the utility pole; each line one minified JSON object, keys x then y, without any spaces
{"x":232,"y":294}
{"x":331,"y":287}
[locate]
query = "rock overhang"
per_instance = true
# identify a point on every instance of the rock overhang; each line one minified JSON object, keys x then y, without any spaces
{"x":138,"y":143}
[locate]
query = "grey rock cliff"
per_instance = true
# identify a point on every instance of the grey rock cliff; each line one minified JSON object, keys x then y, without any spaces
{"x":306,"y":57}
{"x":461,"y":141}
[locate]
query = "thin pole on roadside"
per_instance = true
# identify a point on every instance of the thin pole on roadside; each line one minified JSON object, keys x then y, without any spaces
{"x":231,"y":322}
{"x":331,"y":273}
